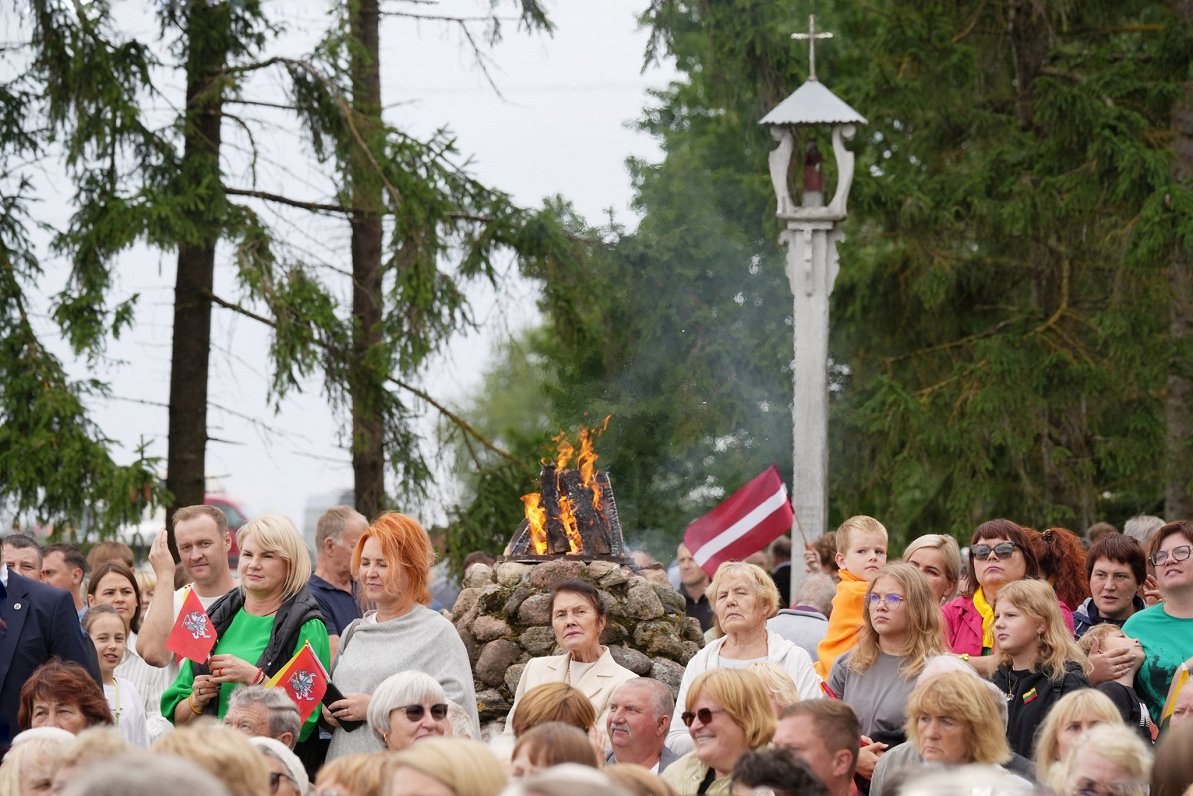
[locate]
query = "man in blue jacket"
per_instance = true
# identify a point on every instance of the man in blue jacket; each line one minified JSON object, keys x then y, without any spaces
{"x":37,"y":623}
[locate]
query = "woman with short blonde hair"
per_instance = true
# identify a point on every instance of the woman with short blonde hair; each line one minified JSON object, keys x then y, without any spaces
{"x":743,"y":597}
{"x":719,"y":700}
{"x":962,"y":701}
{"x":1124,"y":763}
{"x":223,"y":752}
{"x":554,"y":702}
{"x":260,"y":626}
{"x":938,"y":558}
{"x":1073,"y":715}
{"x":464,"y":766}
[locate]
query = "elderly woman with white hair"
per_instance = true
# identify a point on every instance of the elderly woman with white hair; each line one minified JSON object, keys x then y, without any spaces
{"x":1111,"y":758}
{"x":407,"y":707}
{"x":743,"y":597}
{"x":260,"y":626}
{"x":287,"y":777}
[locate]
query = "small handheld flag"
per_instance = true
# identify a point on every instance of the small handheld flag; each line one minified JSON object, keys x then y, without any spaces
{"x":1182,"y":679}
{"x":304,"y":679}
{"x":193,"y":636}
{"x":746,"y":521}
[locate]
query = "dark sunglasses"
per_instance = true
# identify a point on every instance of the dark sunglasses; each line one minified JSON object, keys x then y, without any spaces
{"x":704,"y":714}
{"x":416,"y":712}
{"x":981,"y":552}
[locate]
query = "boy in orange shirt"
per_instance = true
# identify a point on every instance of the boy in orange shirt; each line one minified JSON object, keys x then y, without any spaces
{"x":861,"y":552}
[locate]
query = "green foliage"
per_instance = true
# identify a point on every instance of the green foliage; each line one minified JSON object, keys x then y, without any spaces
{"x":999,"y":328}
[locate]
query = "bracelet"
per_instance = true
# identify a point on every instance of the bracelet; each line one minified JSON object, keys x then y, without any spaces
{"x":964,"y":656}
{"x":190,"y":702}
{"x":260,"y":676}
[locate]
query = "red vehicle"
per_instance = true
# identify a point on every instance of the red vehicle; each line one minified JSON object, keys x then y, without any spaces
{"x":237,"y":516}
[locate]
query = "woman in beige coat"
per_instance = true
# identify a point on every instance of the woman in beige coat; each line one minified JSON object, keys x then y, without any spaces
{"x":578,"y":618}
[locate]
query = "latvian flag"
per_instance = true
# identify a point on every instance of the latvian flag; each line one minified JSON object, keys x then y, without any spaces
{"x":744,"y":523}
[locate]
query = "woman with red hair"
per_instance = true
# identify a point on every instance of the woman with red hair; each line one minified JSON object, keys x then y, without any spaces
{"x":392,"y":562}
{"x":1062,"y":564}
{"x":62,"y":695}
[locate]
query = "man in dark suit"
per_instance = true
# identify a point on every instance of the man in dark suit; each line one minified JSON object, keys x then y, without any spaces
{"x":639,"y":718}
{"x":37,"y":622}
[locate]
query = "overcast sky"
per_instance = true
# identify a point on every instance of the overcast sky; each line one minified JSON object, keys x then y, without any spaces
{"x":563,"y":127}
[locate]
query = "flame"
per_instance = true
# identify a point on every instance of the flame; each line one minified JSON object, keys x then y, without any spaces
{"x":587,"y":465}
{"x":536,"y":515}
{"x":570,"y":529}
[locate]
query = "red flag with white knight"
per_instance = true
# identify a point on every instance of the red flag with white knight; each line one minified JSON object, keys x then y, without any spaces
{"x":304,"y":679}
{"x":193,"y":636}
{"x":743,"y":523}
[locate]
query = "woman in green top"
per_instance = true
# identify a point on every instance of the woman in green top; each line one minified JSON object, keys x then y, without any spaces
{"x":260,"y":625}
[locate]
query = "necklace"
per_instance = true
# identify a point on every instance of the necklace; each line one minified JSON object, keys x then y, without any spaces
{"x":1012,"y":684}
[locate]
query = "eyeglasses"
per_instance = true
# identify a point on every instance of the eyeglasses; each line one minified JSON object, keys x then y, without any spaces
{"x":981,"y":552}
{"x":1177,"y":553}
{"x":704,"y":714}
{"x":416,"y":712}
{"x":892,"y":601}
{"x":275,"y":779}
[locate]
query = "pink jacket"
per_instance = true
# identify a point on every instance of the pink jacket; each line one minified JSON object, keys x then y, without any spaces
{"x":963,"y":625}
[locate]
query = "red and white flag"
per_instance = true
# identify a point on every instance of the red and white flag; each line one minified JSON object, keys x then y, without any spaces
{"x":744,"y":523}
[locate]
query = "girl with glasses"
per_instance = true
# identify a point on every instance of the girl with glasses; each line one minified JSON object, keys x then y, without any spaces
{"x":1000,"y":553}
{"x":1038,"y":661}
{"x":1166,"y":628}
{"x":902,"y":628}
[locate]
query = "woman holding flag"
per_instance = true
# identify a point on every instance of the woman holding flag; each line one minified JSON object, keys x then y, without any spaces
{"x":260,"y":627}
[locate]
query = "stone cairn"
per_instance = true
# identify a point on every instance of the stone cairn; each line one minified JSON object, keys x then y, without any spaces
{"x":503,"y":617}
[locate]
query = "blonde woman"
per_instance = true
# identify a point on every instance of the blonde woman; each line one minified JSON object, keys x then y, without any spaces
{"x":260,"y":625}
{"x":1072,"y":717}
{"x":729,"y":712}
{"x":778,"y":683}
{"x":1110,"y":759}
{"x":462,"y":766}
{"x":1038,"y":661}
{"x":744,"y":597}
{"x":902,"y":628}
{"x":938,"y":558}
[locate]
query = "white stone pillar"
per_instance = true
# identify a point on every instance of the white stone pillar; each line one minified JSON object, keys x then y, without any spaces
{"x":811,"y":270}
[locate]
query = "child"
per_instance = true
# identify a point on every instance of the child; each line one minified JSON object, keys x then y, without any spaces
{"x":109,"y":633}
{"x":861,"y":552}
{"x":1038,"y":661}
{"x":1121,"y":690}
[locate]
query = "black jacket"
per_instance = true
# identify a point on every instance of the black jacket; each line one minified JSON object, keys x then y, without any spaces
{"x":283,"y":637}
{"x":1030,"y":695}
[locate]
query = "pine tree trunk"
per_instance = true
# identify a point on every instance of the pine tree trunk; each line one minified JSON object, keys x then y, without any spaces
{"x":1178,"y":498}
{"x":186,"y":458}
{"x":365,"y":378}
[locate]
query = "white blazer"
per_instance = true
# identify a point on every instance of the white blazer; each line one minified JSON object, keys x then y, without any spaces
{"x":598,"y":683}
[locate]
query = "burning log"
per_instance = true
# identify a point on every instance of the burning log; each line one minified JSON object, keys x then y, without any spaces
{"x":557,"y":540}
{"x":590,"y":520}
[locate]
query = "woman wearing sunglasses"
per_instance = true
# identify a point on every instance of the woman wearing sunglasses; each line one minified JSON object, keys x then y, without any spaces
{"x":1166,"y":629}
{"x":902,"y":629}
{"x":392,"y":562}
{"x":1000,"y":553}
{"x":727,"y":713}
{"x":407,"y":707}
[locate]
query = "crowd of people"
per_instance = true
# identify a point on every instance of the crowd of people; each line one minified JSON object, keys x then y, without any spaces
{"x":1028,"y":662}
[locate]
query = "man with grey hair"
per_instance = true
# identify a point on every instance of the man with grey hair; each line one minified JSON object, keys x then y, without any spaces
{"x":639,"y":719}
{"x":1141,"y":528}
{"x":332,"y":586}
{"x":266,"y":712}
{"x":806,"y":622}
